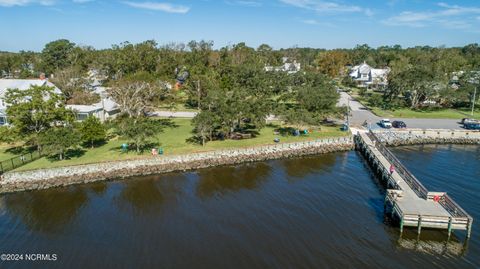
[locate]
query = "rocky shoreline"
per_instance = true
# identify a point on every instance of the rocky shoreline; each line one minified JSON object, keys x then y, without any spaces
{"x":64,"y":176}
{"x":421,"y":137}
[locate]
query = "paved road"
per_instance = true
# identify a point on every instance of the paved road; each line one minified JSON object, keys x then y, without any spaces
{"x":174,"y":114}
{"x":360,"y":114}
{"x":188,"y":114}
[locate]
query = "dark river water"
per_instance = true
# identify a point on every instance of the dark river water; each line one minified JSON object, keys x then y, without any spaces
{"x":319,"y":212}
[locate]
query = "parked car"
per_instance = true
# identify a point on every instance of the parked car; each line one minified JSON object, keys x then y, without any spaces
{"x":472,"y":125}
{"x":399,"y":124}
{"x":465,"y":120}
{"x":385,"y":123}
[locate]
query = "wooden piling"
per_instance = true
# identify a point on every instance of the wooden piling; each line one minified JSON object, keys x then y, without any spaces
{"x":449,"y":226}
{"x":419,"y":224}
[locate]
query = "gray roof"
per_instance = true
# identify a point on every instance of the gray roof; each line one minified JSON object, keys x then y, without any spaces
{"x":107,"y":103}
{"x":23,"y":84}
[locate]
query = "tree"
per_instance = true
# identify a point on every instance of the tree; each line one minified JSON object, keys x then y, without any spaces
{"x":56,"y":55}
{"x":332,"y":62}
{"x":7,"y":135}
{"x":92,"y":131}
{"x":71,"y":80}
{"x":417,"y":84}
{"x":132,"y":96}
{"x":205,"y":123}
{"x":316,"y":98}
{"x":139,"y":131}
{"x":34,"y":111}
{"x":56,"y":141}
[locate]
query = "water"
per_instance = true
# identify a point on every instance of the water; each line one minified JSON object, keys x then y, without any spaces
{"x":319,"y":212}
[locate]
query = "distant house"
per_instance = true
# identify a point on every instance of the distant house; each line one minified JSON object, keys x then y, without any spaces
{"x":20,"y":84}
{"x":104,"y":110}
{"x":288,"y":66}
{"x":365,"y":76}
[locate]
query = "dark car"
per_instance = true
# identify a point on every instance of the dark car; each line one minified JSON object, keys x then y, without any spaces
{"x":472,"y":125}
{"x":399,"y":124}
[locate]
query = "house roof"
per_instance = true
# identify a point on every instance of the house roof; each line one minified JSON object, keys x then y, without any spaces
{"x":108,"y":104}
{"x":83,"y":108}
{"x":24,"y":84}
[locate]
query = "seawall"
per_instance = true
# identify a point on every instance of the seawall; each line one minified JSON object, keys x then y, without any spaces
{"x":70,"y":175}
{"x":427,"y":136}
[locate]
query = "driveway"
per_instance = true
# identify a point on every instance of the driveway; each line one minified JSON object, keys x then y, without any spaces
{"x":359,"y":114}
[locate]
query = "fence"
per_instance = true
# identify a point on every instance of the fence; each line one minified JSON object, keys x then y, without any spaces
{"x":18,"y":161}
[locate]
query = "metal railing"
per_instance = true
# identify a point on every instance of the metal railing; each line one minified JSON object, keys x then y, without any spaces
{"x":446,"y":201}
{"x":18,"y":161}
{"x":409,"y":178}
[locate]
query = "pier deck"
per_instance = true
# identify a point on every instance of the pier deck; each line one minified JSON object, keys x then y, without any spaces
{"x":406,"y":198}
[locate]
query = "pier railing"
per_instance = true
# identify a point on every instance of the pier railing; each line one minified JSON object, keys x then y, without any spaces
{"x":445,"y":200}
{"x":411,"y":180}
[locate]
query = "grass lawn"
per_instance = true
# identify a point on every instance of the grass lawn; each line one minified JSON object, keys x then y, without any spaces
{"x":443,"y":113}
{"x":427,"y":114}
{"x":173,"y":141}
{"x":4,"y":154}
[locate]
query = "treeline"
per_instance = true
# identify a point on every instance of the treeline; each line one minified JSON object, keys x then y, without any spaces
{"x":230,"y":87}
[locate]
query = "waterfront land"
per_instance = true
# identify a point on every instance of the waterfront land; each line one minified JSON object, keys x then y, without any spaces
{"x":175,"y":140}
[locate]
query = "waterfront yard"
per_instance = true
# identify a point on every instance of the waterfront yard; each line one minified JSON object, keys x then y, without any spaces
{"x":174,"y":141}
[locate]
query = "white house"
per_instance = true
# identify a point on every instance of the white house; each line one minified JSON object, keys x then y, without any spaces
{"x":365,"y":75}
{"x":20,"y":84}
{"x":105,"y":109}
{"x":288,"y":66}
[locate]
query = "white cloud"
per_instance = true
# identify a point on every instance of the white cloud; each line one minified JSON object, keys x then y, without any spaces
{"x":12,"y":3}
{"x":165,"y":7}
{"x":247,"y":3}
{"x":449,"y":16}
{"x":316,"y":22}
{"x":326,"y":7}
{"x":313,"y":22}
{"x":82,"y":1}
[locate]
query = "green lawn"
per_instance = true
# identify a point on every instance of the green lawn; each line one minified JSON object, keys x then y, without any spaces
{"x":445,"y":113}
{"x":427,"y":114}
{"x":4,"y":154}
{"x":173,"y":141}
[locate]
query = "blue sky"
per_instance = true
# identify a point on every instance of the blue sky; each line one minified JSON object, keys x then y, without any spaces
{"x":29,"y":24}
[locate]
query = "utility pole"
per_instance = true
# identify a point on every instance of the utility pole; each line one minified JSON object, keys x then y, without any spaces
{"x":199,"y":92}
{"x":348,"y":112}
{"x":474,"y":99}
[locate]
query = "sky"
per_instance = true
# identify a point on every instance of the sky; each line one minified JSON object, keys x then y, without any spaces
{"x":30,"y":24}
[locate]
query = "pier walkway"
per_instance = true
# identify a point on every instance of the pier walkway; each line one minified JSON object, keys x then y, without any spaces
{"x":406,"y":198}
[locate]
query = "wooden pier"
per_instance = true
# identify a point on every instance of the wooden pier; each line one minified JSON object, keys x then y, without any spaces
{"x":406,"y":198}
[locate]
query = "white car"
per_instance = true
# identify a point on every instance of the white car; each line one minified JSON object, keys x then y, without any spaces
{"x":385,"y":123}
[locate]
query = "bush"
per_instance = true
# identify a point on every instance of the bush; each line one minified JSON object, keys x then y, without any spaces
{"x":56,"y":141}
{"x":92,"y":131}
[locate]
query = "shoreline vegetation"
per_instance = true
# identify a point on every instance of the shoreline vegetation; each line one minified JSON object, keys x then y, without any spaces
{"x":70,"y":175}
{"x":173,"y":141}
